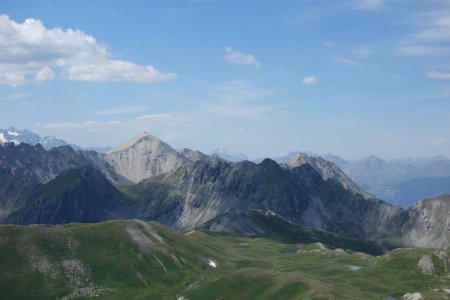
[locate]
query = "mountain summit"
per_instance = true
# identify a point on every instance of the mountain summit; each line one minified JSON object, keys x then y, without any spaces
{"x":328,"y":171}
{"x":133,"y":141}
{"x":144,"y":156}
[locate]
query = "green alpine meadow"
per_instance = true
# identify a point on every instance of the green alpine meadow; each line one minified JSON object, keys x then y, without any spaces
{"x":145,"y":260}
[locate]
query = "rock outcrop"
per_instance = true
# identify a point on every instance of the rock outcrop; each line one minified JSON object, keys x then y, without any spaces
{"x":429,"y":223}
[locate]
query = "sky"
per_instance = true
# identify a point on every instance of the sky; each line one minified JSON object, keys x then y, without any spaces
{"x":263,"y":78}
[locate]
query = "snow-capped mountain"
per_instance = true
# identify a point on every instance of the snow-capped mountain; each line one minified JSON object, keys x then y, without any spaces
{"x":228,"y":155}
{"x":18,"y":136}
{"x":49,"y":142}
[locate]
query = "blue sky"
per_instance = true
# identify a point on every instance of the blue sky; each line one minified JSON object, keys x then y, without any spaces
{"x":349,"y":77}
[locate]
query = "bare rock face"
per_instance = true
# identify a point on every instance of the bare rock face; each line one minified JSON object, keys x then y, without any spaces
{"x":188,"y":188}
{"x":143,"y":157}
{"x":194,"y":155}
{"x":426,"y":265}
{"x":77,"y":195}
{"x":413,"y":296}
{"x":328,"y":171}
{"x":195,"y":193}
{"x":429,"y":224}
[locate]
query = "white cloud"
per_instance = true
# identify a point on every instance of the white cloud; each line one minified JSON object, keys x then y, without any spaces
{"x":241,"y":58}
{"x":163,"y":118}
{"x":143,"y":122}
{"x":14,"y":97}
{"x":44,"y":74}
{"x":420,"y":50}
{"x":11,"y":77}
{"x":116,"y":70}
{"x":310,"y":80}
{"x":120,"y":110}
{"x":329,"y":44}
{"x":29,"y":49}
{"x":438,"y":75}
{"x":431,"y":36}
{"x":346,"y":61}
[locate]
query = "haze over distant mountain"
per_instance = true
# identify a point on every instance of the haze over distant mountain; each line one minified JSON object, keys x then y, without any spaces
{"x":402,"y":181}
{"x":229,"y":155}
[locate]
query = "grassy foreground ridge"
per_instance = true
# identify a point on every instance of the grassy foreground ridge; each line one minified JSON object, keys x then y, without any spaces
{"x":133,"y":259}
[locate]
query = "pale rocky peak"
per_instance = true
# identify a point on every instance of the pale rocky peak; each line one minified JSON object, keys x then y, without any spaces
{"x":143,"y":136}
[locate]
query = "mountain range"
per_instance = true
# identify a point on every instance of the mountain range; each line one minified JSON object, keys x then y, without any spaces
{"x":301,"y":229}
{"x":146,"y":178}
{"x":400,"y":181}
{"x":17,"y":136}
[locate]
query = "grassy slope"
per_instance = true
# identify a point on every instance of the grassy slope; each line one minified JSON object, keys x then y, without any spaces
{"x":123,"y":259}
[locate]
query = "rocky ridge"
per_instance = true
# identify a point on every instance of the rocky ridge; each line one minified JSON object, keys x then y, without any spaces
{"x":188,"y":188}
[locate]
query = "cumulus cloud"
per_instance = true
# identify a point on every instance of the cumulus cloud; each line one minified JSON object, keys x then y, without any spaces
{"x":438,"y":75}
{"x":116,"y":70}
{"x":30,"y":50}
{"x":310,"y":80}
{"x":241,"y":58}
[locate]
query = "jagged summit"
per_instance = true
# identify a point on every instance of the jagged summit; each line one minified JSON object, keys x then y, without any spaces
{"x":194,"y":155}
{"x":328,"y":170}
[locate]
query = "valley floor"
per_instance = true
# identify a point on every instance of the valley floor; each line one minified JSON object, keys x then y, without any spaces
{"x":137,"y":260}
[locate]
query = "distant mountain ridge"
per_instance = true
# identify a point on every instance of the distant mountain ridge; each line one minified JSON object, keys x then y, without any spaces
{"x":229,"y":155}
{"x":17,"y":136}
{"x":188,"y":188}
{"x":399,"y":181}
{"x":402,"y":181}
